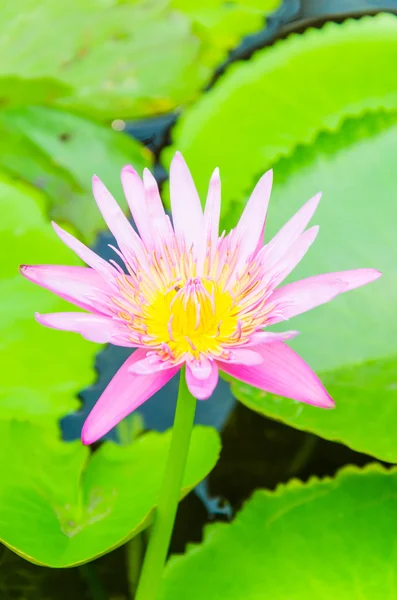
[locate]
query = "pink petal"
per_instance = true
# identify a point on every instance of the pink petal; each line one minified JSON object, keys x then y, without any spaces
{"x":127,"y":239}
{"x":95,"y":328}
{"x":87,"y":255}
{"x":78,"y":285}
{"x":293,"y":256}
{"x":150,"y":363}
{"x":202,"y":368}
{"x":300,"y":296}
{"x":135,"y":194}
{"x":124,"y":394}
{"x":158,"y":221}
{"x":212,"y":210}
{"x":187,"y":214}
{"x":201,"y":381}
{"x":268,"y":337}
{"x":244,"y":356}
{"x":250,"y":226}
{"x":283,"y":373}
{"x":261,"y":240}
{"x":209,"y":237}
{"x":275,"y":249}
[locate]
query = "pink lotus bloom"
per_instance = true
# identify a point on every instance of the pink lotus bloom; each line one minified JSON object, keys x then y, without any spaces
{"x":191,"y":297}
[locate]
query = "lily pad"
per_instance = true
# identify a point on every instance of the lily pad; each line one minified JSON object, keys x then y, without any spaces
{"x":261,"y":109}
{"x":15,"y":91}
{"x":107,"y":58}
{"x":325,"y":539}
{"x":119,"y":59}
{"x":41,"y":372}
{"x":328,"y":81}
{"x":225,"y":23}
{"x":352,"y":341}
{"x":59,"y":152}
{"x":61,"y":506}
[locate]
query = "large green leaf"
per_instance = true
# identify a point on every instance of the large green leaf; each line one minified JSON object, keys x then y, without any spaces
{"x":41,"y":370}
{"x":279,"y":102}
{"x":110,"y":59}
{"x":118,"y":59}
{"x":59,"y":152}
{"x":285,"y":95}
{"x":61,"y":506}
{"x":322,"y":540}
{"x":16,"y":91}
{"x":225,"y":23}
{"x":351,"y":342}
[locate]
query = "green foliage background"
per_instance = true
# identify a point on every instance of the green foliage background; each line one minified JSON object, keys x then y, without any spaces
{"x":320,"y":107}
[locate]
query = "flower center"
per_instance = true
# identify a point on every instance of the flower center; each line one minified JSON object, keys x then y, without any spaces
{"x":194,"y":317}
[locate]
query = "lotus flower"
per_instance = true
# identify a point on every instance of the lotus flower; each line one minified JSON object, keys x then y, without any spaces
{"x":189,"y":296}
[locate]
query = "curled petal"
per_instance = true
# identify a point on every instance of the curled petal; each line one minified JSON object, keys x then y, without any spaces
{"x":301,"y":296}
{"x":95,"y":328}
{"x":202,"y":381}
{"x":123,"y":395}
{"x":78,"y":285}
{"x":282,"y":372}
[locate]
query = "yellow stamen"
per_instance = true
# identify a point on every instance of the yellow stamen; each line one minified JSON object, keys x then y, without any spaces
{"x":194,"y":317}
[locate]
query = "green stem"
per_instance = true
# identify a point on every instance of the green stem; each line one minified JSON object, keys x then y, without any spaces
{"x":134,"y":550}
{"x":170,"y":491}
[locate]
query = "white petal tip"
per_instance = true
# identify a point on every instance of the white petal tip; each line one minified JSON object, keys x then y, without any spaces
{"x":361,"y":277}
{"x":148,"y":178}
{"x":267,"y":178}
{"x":58,"y":230}
{"x":376,"y":274}
{"x":312,"y":233}
{"x":97,"y":186}
{"x":291,"y":334}
{"x":178,"y":160}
